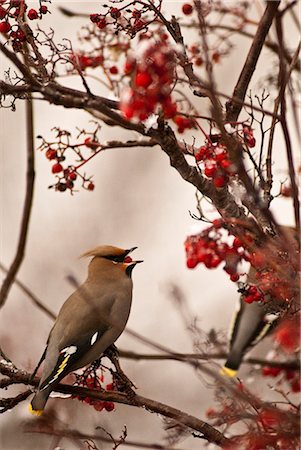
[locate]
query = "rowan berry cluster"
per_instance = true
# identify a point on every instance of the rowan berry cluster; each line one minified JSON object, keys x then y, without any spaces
{"x":91,"y":379}
{"x":209,"y":248}
{"x":291,"y":376}
{"x":152,"y":73}
{"x":129,"y":19}
{"x":68,"y":175}
{"x":83,"y":61}
{"x":10,"y":11}
{"x":215,"y":161}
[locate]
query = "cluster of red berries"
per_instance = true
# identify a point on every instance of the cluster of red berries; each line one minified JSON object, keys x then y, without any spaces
{"x":84,"y":61}
{"x":215,"y":159}
{"x":209,"y":248}
{"x":183,"y":123}
{"x":128,"y":20}
{"x":277,"y":286}
{"x":252,"y":294}
{"x":287,"y":334}
{"x":11,"y":10}
{"x":94,"y":382}
{"x":68,"y":175}
{"x":152,"y":75}
{"x":291,"y":376}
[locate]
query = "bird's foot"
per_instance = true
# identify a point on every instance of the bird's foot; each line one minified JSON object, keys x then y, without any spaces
{"x":124,"y":384}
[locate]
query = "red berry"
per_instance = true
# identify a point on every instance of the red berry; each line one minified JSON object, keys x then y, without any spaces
{"x":187,"y":9}
{"x":170,"y":110}
{"x":270,"y":418}
{"x":32,"y":14}
{"x":98,"y":405}
{"x":128,"y":111}
{"x":51,"y":154}
{"x":43,"y":9}
{"x":295,"y":385}
{"x":209,"y":171}
{"x":216,"y":57}
{"x":249,"y":299}
{"x":115,"y":13}
{"x":94,"y":18}
{"x":56,"y":168}
{"x":109,"y":406}
{"x":268,"y":371}
{"x":4,"y":27}
{"x":198,"y":61}
{"x":129,"y":66}
{"x":217,"y":223}
{"x":90,"y":143}
{"x":211,"y":413}
{"x":110,"y":387}
{"x":237,"y":243}
{"x":72,"y":176}
{"x":191,"y":262}
{"x":102,"y":23}
{"x":288,"y":335}
{"x":219,"y":181}
{"x":225,"y":163}
{"x":290,"y":374}
{"x":143,"y":79}
{"x":258,"y":259}
{"x":234,"y":277}
{"x":113,"y":70}
{"x":91,"y":186}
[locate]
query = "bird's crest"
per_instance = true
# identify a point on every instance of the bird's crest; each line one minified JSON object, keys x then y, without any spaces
{"x":105,"y":250}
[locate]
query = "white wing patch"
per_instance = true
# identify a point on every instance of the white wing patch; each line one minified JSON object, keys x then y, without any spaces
{"x":94,"y":337}
{"x":270,"y":317}
{"x":69,"y":350}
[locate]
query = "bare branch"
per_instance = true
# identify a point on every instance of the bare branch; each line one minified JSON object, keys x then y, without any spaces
{"x":11,"y":274}
{"x":233,"y":109}
{"x":209,"y":432}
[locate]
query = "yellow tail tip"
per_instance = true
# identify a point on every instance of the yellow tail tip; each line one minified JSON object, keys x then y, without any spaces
{"x":35,"y":412}
{"x":228,"y":372}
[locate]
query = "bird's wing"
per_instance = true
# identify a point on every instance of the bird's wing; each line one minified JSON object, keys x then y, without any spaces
{"x":251,"y":322}
{"x":70,"y":355}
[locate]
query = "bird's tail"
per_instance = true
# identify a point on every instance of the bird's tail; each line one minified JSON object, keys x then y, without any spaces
{"x":232,"y":364}
{"x":37,"y":404}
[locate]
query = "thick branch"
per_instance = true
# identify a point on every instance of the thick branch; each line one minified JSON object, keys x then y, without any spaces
{"x":11,"y":274}
{"x":233,"y":109}
{"x":209,"y":432}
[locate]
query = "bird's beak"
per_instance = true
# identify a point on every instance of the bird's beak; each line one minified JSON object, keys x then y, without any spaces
{"x":131,"y":250}
{"x":130,"y":261}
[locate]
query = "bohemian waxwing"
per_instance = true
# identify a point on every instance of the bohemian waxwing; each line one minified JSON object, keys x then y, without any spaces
{"x":252,"y":322}
{"x":90,"y":320}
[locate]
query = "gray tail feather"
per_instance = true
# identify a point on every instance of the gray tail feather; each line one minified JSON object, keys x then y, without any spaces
{"x":234,"y":360}
{"x":39,"y":400}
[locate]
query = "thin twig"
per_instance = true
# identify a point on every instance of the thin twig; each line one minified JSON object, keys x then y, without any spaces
{"x":284,"y":125}
{"x":31,"y":295}
{"x":282,"y":88}
{"x":30,"y":175}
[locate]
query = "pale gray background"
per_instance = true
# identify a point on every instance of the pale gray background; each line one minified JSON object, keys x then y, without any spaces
{"x":138,"y":200}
